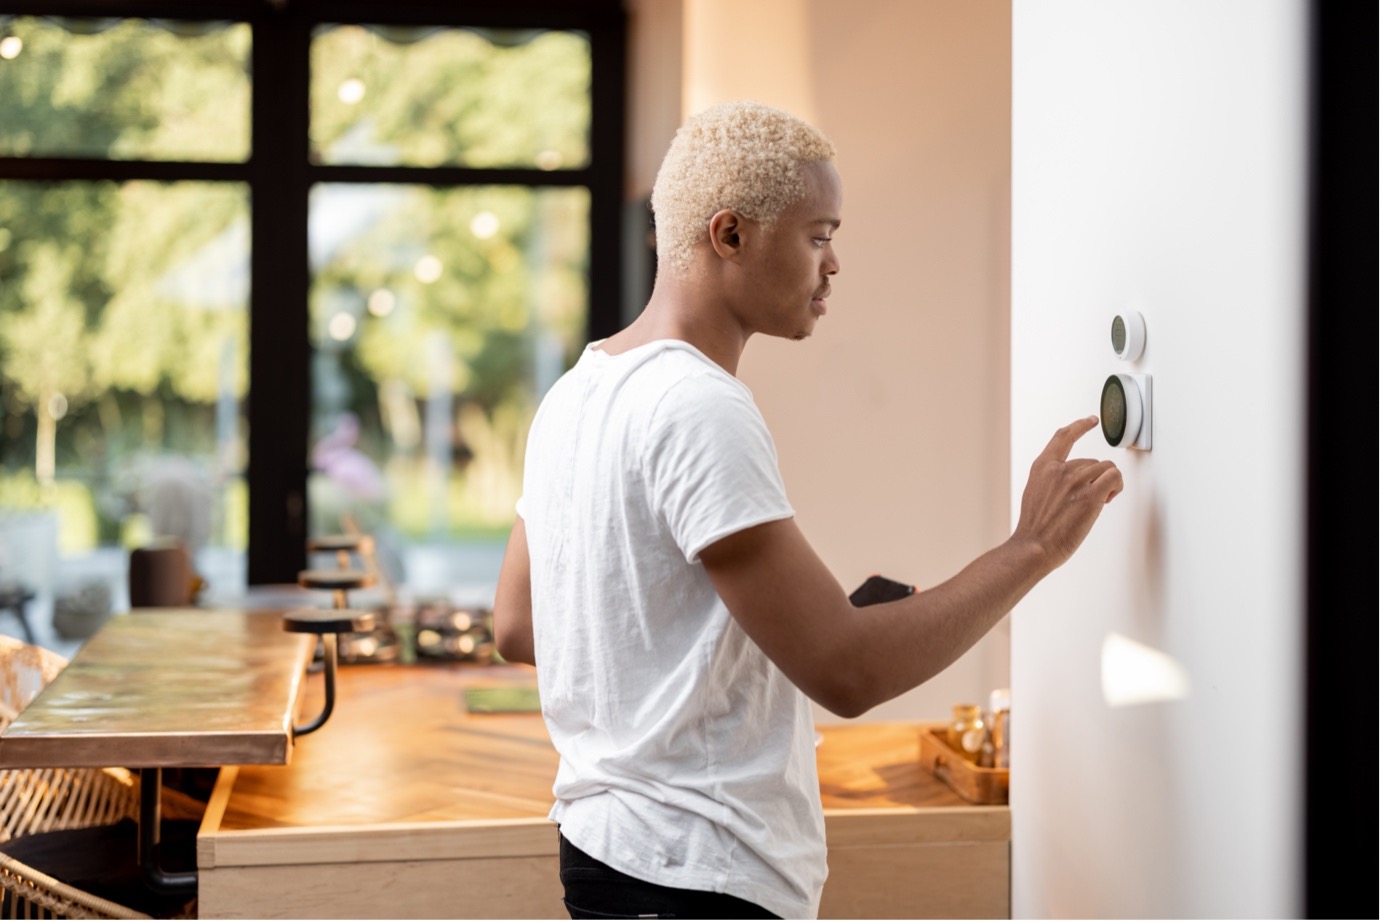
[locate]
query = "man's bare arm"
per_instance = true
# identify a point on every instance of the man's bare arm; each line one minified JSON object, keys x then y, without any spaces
{"x":514,"y":600}
{"x":848,"y":659}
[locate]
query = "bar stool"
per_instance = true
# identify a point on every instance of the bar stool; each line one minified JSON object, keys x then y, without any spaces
{"x":344,"y":546}
{"x":355,"y":552}
{"x":328,"y":624}
{"x":337,"y":582}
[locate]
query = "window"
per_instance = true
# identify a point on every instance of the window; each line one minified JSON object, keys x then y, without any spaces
{"x":289,"y":267}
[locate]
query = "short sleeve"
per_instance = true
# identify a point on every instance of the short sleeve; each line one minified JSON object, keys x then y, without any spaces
{"x":710,"y":464}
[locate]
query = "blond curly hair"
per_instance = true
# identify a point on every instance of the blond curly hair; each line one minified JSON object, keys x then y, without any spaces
{"x":740,"y":155}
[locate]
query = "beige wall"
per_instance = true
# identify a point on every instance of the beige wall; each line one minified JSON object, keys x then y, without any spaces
{"x":655,"y":89}
{"x":892,"y":422}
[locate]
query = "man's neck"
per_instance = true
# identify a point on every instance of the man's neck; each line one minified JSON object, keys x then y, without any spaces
{"x":682,"y":309}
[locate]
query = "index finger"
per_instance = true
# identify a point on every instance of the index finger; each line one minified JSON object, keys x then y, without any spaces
{"x":1060,"y":445}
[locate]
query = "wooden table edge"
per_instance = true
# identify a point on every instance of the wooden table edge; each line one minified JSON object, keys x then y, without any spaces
{"x":154,"y":750}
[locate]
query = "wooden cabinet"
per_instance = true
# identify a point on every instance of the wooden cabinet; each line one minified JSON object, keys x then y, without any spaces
{"x":900,"y":844}
{"x":405,"y":806}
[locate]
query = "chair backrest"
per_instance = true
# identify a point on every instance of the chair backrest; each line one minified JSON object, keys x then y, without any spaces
{"x":44,"y":799}
{"x":24,"y":670}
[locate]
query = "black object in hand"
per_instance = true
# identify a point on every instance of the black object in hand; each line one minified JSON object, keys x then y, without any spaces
{"x":878,"y":589}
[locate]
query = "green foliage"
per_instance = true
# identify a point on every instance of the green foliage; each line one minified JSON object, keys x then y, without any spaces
{"x":43,"y":342}
{"x":491,"y":291}
{"x":84,"y":300}
{"x":131,"y":91}
{"x":452,"y":97}
{"x":157,"y":328}
{"x":129,"y":299}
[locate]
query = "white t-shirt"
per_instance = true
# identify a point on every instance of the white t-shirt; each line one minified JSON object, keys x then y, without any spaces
{"x":687,"y":757}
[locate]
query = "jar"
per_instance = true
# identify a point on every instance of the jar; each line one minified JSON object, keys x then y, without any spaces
{"x":966,"y":734}
{"x":999,"y":728}
{"x":1000,"y":736}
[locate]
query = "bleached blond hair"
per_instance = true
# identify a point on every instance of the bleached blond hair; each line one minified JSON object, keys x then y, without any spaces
{"x":739,"y":155}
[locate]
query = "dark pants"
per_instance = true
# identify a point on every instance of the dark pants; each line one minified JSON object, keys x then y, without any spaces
{"x":594,"y":890}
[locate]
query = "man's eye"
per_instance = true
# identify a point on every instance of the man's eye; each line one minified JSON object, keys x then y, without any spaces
{"x":822,"y":241}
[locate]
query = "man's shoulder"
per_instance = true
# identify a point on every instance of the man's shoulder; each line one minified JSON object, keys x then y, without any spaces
{"x":704,"y":405}
{"x":687,"y":382}
{"x":662,"y":382}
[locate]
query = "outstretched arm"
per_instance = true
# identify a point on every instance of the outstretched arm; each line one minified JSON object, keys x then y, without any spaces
{"x":848,"y":659}
{"x":514,"y":601}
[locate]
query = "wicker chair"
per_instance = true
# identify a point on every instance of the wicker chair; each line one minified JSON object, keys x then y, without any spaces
{"x":49,"y":799}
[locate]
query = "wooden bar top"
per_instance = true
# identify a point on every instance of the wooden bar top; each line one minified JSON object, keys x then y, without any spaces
{"x":401,"y":748}
{"x":170,"y":687}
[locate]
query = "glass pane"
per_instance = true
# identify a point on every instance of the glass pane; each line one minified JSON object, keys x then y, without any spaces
{"x":439,"y":317}
{"x":457,"y":97}
{"x":124,"y":89}
{"x":123,"y":343}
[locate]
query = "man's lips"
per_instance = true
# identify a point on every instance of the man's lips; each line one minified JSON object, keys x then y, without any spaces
{"x":819,"y":300}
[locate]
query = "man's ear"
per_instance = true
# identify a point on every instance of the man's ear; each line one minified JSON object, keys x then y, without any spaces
{"x":727,"y":229}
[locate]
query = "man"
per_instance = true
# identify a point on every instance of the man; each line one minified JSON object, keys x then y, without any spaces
{"x":679,"y":620}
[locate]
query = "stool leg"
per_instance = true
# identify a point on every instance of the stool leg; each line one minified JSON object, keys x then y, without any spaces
{"x":339,"y":598}
{"x":329,"y":679}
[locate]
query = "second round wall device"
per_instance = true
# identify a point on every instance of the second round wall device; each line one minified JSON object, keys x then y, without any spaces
{"x":1126,"y":399}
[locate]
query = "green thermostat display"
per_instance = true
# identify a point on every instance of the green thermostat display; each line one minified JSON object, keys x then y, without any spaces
{"x":1127,"y":335}
{"x":1126,"y":419}
{"x":1114,"y":410}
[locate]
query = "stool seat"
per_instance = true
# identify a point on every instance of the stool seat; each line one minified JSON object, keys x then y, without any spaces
{"x":328,"y":621}
{"x":335,"y":579}
{"x":362,"y":544}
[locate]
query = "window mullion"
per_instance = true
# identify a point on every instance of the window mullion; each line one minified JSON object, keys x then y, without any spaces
{"x":280,"y":356}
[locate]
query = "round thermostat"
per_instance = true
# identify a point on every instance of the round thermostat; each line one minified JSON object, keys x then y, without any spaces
{"x":1121,"y":410}
{"x":1127,"y":335}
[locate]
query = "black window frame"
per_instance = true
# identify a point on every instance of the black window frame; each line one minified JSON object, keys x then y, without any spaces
{"x":279,"y":177}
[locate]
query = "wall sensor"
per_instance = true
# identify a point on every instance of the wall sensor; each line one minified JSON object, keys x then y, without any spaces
{"x":1127,"y":335}
{"x":1126,"y":411}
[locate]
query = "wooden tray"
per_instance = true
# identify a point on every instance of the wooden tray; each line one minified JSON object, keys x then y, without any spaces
{"x":975,"y":784}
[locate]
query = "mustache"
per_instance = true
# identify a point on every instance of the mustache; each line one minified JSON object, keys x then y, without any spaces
{"x":822,"y":292}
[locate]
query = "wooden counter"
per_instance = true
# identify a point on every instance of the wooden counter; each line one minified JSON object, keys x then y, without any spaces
{"x":900,"y":843}
{"x":406,"y":806}
{"x":168,"y":687}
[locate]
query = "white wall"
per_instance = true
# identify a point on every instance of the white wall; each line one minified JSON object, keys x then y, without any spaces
{"x":892,"y":421}
{"x":1159,"y":165}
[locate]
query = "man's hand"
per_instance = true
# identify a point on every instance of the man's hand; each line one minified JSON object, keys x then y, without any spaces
{"x":1064,"y":497}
